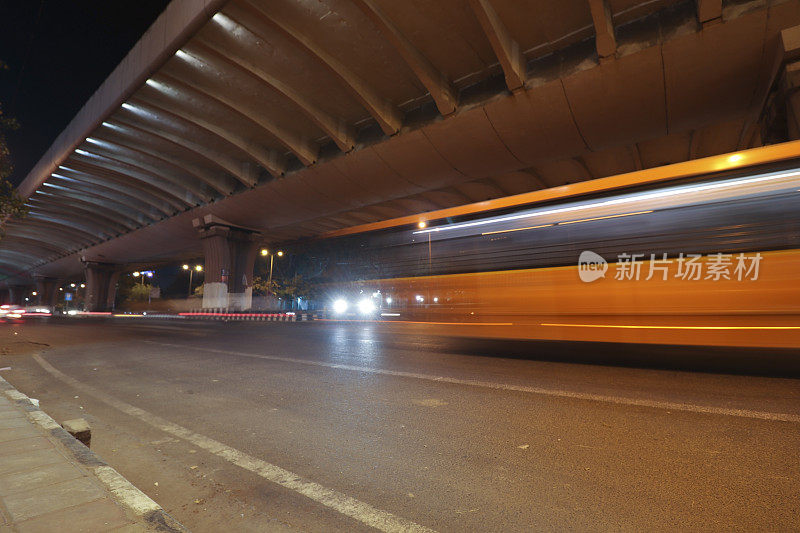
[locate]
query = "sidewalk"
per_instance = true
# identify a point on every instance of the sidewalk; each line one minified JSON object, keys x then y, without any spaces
{"x":51,"y":482}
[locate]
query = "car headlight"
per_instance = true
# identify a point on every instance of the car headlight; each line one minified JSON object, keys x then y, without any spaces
{"x":365,"y":306}
{"x":340,"y":306}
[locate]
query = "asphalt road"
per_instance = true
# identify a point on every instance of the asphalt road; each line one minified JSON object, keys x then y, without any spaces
{"x":346,"y":427}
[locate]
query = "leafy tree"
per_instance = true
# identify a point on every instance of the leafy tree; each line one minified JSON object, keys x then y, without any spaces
{"x":139,"y":292}
{"x":131,"y":289}
{"x":11,"y":204}
{"x":288,"y":289}
{"x":260,"y":286}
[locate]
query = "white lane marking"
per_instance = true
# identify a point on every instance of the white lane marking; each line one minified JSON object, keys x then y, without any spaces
{"x":356,"y":509}
{"x":182,"y":329}
{"x":559,"y":393}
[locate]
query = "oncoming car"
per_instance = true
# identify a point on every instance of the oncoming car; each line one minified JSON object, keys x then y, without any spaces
{"x":11,"y":314}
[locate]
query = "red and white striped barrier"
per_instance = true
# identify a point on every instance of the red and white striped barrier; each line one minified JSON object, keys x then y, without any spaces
{"x":224,"y":314}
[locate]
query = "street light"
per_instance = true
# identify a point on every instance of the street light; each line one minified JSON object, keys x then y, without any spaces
{"x":197,"y":268}
{"x":265,"y":252}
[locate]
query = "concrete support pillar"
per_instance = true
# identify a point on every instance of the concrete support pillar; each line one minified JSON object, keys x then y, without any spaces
{"x":789,"y":83}
{"x":776,"y":109}
{"x":217,"y":266}
{"x":230,"y":255}
{"x":16,"y":294}
{"x":48,"y":290}
{"x":791,"y":86}
{"x":101,"y":285}
{"x":12,"y":293}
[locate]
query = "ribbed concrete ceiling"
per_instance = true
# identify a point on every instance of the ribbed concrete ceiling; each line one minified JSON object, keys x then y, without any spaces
{"x":298,"y":117}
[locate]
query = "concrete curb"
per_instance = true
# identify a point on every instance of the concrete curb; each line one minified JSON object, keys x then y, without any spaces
{"x":122,"y":491}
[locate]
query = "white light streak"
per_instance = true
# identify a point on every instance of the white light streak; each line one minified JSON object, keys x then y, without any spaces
{"x":59,"y":176}
{"x":618,"y":201}
{"x":225,"y":22}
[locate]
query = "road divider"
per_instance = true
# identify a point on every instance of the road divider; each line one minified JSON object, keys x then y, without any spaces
{"x":225,"y":314}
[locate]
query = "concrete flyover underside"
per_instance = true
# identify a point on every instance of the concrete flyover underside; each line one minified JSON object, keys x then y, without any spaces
{"x":296,"y":118}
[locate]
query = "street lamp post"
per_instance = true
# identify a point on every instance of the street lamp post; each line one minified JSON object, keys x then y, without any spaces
{"x":74,"y":297}
{"x":198,"y":268}
{"x":142,"y":274}
{"x":149,"y":274}
{"x":265,"y":252}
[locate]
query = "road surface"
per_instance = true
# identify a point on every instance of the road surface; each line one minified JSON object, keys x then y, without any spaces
{"x":350,"y":427}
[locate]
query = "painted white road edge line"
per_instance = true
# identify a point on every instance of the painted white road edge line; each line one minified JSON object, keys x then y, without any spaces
{"x":356,"y":509}
{"x":559,"y":393}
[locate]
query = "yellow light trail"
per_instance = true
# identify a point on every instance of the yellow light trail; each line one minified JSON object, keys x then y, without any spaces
{"x":567,"y":222}
{"x":516,"y":229}
{"x":603,"y":218}
{"x":416,"y":322}
{"x":618,"y":326}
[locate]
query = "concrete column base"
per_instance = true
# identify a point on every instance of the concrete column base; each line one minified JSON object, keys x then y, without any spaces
{"x":215,"y":294}
{"x":241,"y":300}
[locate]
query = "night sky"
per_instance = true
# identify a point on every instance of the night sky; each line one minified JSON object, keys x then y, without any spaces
{"x":58,"y":53}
